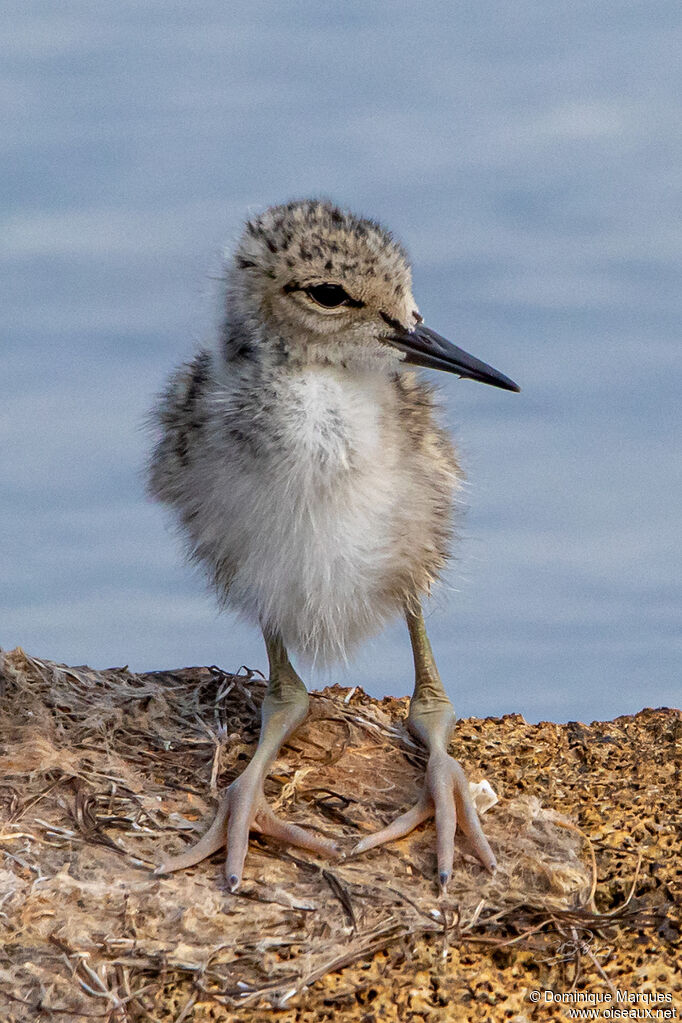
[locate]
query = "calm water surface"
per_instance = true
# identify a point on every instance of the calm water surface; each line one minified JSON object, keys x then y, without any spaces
{"x":527,"y":155}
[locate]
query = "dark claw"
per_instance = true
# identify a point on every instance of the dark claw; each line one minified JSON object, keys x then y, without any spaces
{"x":233,"y":882}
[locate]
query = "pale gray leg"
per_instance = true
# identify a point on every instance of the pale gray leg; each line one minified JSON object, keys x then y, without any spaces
{"x":446,"y":791}
{"x":243,"y":807}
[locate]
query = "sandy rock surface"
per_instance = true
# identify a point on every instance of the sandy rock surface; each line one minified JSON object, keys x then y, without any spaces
{"x":103,"y":772}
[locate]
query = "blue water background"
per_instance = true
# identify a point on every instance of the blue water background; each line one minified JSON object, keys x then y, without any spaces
{"x":528,"y":155}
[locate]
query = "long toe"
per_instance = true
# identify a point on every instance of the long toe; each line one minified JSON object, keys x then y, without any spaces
{"x":267,"y":823}
{"x":212,"y":841}
{"x":469,"y":822}
{"x":446,"y":823}
{"x":400,"y":827}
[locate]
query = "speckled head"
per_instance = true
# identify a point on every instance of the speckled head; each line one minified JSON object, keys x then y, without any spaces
{"x":314,"y":283}
{"x":313,"y":273}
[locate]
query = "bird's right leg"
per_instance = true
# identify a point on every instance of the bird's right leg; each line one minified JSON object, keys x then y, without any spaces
{"x":446,"y":792}
{"x":243,"y":807}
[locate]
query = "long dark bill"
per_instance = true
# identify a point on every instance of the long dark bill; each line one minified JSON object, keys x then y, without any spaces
{"x":424,"y":347}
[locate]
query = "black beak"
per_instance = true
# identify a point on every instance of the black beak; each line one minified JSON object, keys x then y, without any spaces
{"x":423,"y":347}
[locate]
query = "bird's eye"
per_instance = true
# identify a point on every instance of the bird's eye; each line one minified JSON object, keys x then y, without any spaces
{"x":329,"y":295}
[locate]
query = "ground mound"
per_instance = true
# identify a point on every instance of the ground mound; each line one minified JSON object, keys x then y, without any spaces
{"x":103,"y":771}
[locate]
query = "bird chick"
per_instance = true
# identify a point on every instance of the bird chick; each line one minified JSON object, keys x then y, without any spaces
{"x":314,"y":483}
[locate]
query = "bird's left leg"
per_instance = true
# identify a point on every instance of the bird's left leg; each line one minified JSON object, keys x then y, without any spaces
{"x":446,"y":793}
{"x":243,"y":807}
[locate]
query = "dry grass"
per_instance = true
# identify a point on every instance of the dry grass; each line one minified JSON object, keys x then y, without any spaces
{"x":102,"y":771}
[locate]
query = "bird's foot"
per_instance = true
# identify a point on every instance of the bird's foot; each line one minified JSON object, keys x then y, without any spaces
{"x":446,"y":796}
{"x":243,"y":808}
